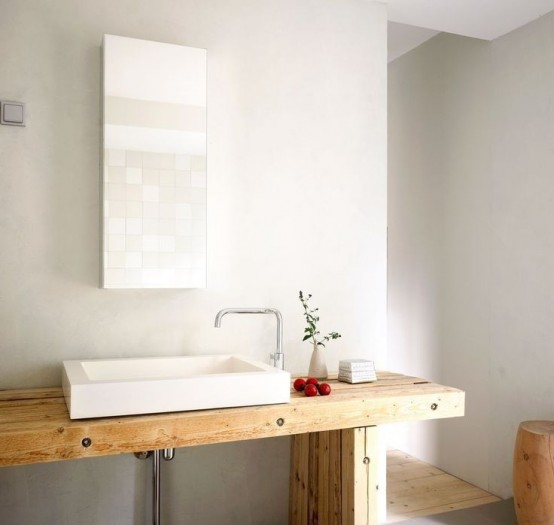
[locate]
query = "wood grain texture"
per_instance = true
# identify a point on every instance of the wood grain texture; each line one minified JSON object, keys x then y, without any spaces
{"x":35,"y":425}
{"x":319,"y":500}
{"x":313,"y":477}
{"x":533,"y":475}
{"x":341,"y":474}
{"x":323,"y":477}
{"x":360,"y":476}
{"x":335,"y":478}
{"x":415,"y":488}
{"x":299,"y":472}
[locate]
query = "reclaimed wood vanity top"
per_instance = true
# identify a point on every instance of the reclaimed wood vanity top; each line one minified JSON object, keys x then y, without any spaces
{"x":35,"y":425}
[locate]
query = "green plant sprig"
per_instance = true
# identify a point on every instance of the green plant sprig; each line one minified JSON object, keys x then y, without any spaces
{"x":312,"y":318}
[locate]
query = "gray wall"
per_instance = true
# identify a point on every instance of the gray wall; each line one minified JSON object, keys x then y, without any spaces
{"x":470,"y":228}
{"x":296,"y":200}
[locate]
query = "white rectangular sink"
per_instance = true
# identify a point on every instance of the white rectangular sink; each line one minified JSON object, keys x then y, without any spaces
{"x":118,"y":387}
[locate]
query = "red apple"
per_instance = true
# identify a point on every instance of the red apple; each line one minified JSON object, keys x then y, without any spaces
{"x":312,"y":381}
{"x":310,"y":390}
{"x":299,"y":384}
{"x":324,"y":389}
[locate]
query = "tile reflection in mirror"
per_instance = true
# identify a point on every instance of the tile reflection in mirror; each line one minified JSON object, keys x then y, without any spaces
{"x":154,"y":174}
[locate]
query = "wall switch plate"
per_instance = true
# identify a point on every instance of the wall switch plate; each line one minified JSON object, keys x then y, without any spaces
{"x":12,"y":113}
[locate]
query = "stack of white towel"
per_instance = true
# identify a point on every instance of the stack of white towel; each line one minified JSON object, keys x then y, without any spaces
{"x":357,"y":371}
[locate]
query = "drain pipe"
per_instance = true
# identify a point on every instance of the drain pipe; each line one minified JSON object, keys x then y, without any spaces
{"x":156,"y":484}
{"x":167,"y":454}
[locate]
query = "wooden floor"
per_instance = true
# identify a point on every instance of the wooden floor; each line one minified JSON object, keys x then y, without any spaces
{"x":415,"y":488}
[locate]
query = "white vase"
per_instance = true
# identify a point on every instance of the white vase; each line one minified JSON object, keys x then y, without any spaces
{"x":318,"y":368}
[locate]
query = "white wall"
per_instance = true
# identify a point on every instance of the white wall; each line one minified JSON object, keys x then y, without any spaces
{"x":470,"y":209}
{"x":522,"y":247}
{"x":416,"y":135}
{"x":296,"y":200}
{"x":438,"y":241}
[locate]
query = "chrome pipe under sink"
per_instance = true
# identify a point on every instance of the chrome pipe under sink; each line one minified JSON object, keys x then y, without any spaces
{"x":157,"y":455}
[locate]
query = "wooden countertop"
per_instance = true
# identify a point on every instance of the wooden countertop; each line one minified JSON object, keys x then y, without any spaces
{"x":35,"y":425}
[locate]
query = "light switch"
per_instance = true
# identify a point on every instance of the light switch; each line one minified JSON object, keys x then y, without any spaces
{"x":12,"y":113}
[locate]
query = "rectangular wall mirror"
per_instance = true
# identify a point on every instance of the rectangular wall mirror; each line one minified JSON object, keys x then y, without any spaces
{"x":154,"y":173}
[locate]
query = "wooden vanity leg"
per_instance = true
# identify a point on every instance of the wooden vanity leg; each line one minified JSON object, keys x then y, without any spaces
{"x":333,"y":478}
{"x":298,"y":487}
{"x":360,"y":476}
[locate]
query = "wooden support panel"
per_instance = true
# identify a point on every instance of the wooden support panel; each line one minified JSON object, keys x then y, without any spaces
{"x":334,"y":478}
{"x":360,"y":476}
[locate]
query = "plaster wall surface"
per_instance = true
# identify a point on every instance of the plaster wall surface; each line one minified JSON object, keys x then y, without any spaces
{"x":522,"y":244}
{"x":470,"y":255}
{"x":296,"y":200}
{"x":416,"y":158}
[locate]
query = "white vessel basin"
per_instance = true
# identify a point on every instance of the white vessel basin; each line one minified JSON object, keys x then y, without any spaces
{"x":118,"y":387}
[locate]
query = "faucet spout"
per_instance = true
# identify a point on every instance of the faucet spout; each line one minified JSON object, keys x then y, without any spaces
{"x":277,"y":359}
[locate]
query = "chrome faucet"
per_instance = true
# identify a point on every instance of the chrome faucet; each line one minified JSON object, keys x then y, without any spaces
{"x":276,"y":359}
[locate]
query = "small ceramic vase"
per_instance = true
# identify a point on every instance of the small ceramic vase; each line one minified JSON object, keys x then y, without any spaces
{"x":318,"y":368}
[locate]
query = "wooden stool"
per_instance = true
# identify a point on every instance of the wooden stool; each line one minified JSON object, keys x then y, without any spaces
{"x":534,"y":473}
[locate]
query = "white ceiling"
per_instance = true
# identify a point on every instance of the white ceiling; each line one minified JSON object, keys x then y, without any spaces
{"x":485,"y":19}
